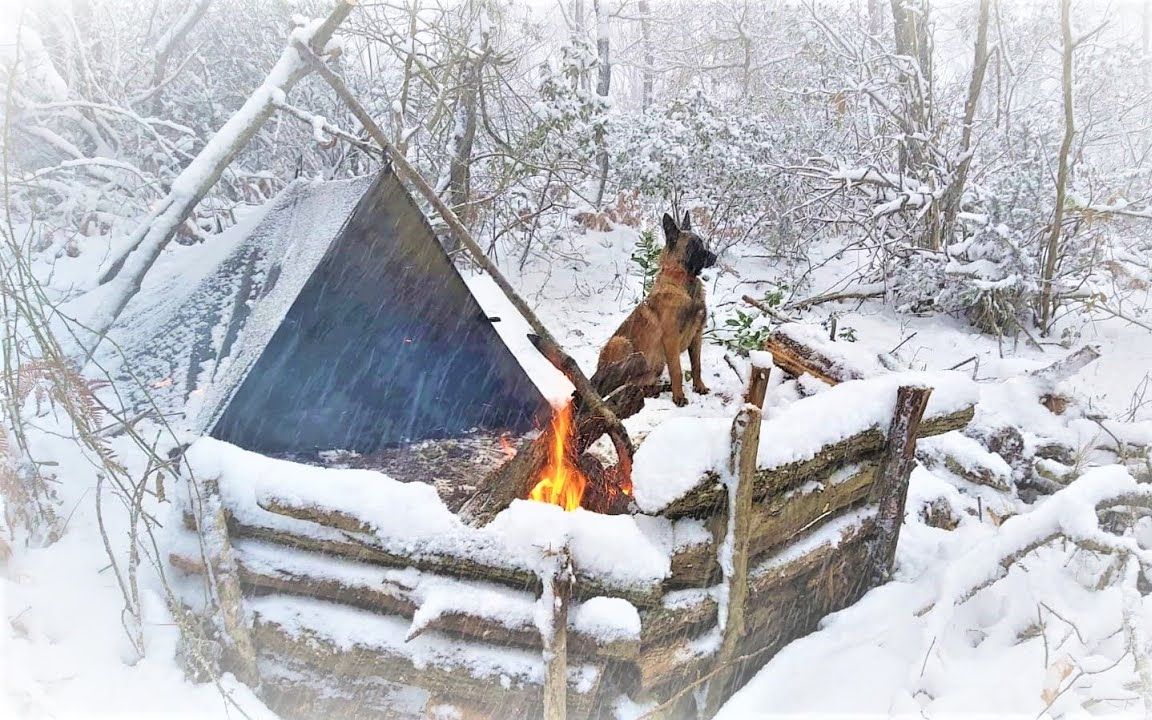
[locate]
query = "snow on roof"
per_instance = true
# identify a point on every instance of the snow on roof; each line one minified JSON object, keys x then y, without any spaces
{"x":513,"y":330}
{"x":180,"y":332}
{"x":207,"y":311}
{"x":677,"y":454}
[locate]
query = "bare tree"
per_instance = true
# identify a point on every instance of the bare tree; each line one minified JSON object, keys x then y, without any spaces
{"x":1052,"y":251}
{"x":603,"y":84}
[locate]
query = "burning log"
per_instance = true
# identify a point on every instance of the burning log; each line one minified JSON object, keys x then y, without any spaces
{"x":549,"y":467}
{"x":505,"y":485}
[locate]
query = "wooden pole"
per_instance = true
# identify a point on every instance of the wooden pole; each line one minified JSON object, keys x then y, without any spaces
{"x":405,"y":170}
{"x":587,"y":396}
{"x":223,"y":573}
{"x":742,"y":469}
{"x":556,"y":644}
{"x":890,"y":490}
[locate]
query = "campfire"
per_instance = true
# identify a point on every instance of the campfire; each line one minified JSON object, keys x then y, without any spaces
{"x":579,"y":482}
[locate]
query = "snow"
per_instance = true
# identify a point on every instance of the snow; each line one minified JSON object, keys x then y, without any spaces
{"x":347,"y":629}
{"x":514,"y":330}
{"x":853,"y":359}
{"x":409,"y":518}
{"x":674,"y":458}
{"x":678,"y":454}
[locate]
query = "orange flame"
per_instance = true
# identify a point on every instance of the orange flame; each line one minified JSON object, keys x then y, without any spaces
{"x":506,"y":447}
{"x":563,"y":483}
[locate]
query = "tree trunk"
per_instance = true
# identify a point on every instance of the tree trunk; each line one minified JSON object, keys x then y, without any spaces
{"x":463,"y":137}
{"x":955,"y":194}
{"x":910,"y":30}
{"x":647,"y":80}
{"x":167,"y":43}
{"x":603,"y":83}
{"x":1052,"y":250}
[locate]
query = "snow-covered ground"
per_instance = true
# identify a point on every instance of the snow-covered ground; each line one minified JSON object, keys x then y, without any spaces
{"x":1040,"y":641}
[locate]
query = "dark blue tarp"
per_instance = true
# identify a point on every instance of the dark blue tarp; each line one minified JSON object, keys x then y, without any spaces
{"x":384,"y":344}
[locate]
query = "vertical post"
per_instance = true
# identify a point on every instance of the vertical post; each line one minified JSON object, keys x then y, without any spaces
{"x":224,"y":577}
{"x":742,"y":470}
{"x":558,"y":592}
{"x":890,"y":490}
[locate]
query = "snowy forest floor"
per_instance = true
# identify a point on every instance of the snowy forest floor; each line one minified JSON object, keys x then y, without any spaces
{"x":1040,"y":642}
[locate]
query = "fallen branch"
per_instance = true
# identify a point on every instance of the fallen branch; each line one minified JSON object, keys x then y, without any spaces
{"x":767,"y":309}
{"x":864,"y":292}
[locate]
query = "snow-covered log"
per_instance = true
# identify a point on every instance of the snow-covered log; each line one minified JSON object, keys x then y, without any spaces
{"x":800,"y":348}
{"x":779,"y":519}
{"x":708,"y":496}
{"x":348,"y":645}
{"x":462,"y":608}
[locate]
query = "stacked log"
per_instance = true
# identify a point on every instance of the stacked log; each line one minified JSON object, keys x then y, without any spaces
{"x":806,"y":538}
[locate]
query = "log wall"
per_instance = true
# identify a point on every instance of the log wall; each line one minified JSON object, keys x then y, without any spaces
{"x":811,"y":533}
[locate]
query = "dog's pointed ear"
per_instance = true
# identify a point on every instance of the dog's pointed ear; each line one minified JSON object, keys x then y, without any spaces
{"x":687,"y":224}
{"x":671,"y":232}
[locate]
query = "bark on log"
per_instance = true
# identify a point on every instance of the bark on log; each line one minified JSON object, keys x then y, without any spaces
{"x":707,"y":498}
{"x":364,"y":548}
{"x":557,"y":592}
{"x":1067,"y":366}
{"x":797,"y":359}
{"x":785,"y":598}
{"x":388,"y":598}
{"x":449,"y":682}
{"x":890,"y":491}
{"x":742,"y":467}
{"x":777,"y":520}
{"x":212,"y":527}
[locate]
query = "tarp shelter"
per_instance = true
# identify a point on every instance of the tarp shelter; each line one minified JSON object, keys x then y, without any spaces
{"x":336,"y":321}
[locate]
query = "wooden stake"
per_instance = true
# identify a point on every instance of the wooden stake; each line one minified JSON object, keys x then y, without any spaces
{"x":556,"y":645}
{"x":890,"y":491}
{"x":742,"y":468}
{"x":224,"y":577}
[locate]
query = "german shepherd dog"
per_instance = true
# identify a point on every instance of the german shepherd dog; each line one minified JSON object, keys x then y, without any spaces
{"x":670,"y":320}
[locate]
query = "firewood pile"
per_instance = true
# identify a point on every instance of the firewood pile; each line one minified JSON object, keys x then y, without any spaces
{"x":342,"y":593}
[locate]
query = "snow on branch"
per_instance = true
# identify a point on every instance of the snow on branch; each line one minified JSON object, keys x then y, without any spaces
{"x":1071,"y":514}
{"x":123,"y":278}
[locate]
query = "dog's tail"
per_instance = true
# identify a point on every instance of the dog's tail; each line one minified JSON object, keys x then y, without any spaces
{"x":627,"y":367}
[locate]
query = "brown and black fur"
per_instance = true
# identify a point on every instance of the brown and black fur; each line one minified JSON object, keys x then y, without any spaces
{"x":670,"y":320}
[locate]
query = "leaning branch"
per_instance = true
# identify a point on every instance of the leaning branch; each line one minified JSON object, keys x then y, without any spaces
{"x":123,"y":279}
{"x":584,"y":391}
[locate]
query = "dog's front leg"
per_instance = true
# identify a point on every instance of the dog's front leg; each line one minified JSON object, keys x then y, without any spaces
{"x":672,"y":357}
{"x":694,"y":357}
